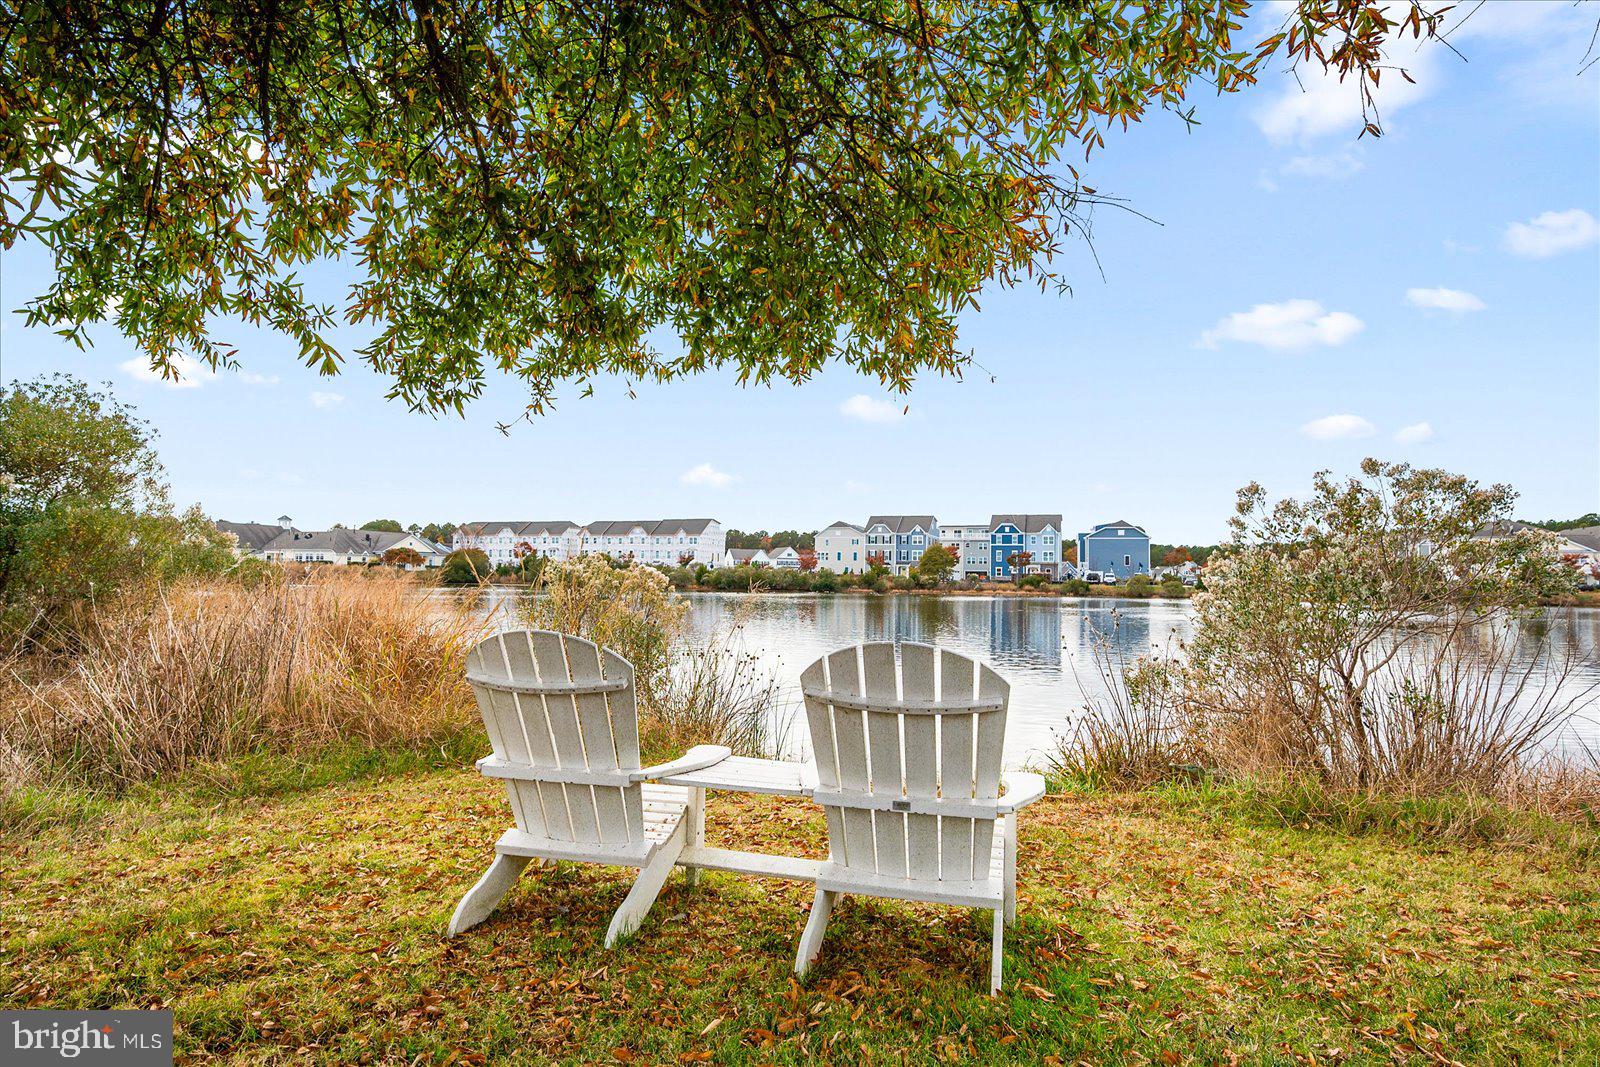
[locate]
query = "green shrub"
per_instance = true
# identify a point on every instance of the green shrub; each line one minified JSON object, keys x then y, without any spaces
{"x":825,"y":582}
{"x":1030,"y":581}
{"x":1075,"y":587}
{"x":84,"y":512}
{"x":1141,"y":586}
{"x":465,"y":566}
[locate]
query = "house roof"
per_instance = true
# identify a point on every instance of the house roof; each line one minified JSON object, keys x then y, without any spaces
{"x":744,"y":555}
{"x":782,"y":549}
{"x":1503,"y":528}
{"x":652,"y":527}
{"x":846,"y":525}
{"x":688,"y":526}
{"x":1114,"y":525}
{"x":599,"y":528}
{"x":364,"y":542}
{"x":253,"y":536}
{"x":1027,"y":523}
{"x":1587,"y":536}
{"x":902,"y":523}
{"x":518,"y":527}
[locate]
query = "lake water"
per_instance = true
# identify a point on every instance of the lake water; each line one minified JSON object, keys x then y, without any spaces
{"x":1043,"y":646}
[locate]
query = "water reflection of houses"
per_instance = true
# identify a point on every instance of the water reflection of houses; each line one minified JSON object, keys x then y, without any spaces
{"x":1025,"y":631}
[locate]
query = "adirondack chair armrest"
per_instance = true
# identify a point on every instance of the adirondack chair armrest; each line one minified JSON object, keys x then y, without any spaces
{"x":1021,"y":789}
{"x":697,"y":758}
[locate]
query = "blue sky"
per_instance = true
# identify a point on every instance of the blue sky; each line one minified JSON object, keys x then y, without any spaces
{"x":1302,"y":300}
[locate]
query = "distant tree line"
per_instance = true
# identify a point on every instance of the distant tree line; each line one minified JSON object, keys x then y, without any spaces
{"x":1173,"y":555}
{"x":437,"y":532}
{"x":794,"y":539}
{"x":1591,"y":519}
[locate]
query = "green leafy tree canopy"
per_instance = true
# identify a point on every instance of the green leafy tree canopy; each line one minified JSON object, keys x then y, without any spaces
{"x":937,"y":564}
{"x":84,"y":513}
{"x":540,"y":189}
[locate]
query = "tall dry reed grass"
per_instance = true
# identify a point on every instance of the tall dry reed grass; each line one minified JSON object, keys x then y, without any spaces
{"x":209,"y":670}
{"x":1474,"y":716}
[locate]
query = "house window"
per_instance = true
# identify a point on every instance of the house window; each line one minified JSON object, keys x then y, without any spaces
{"x":1122,"y":533}
{"x":1127,"y":561}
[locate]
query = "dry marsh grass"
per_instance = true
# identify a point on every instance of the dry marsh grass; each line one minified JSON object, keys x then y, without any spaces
{"x":207,"y":671}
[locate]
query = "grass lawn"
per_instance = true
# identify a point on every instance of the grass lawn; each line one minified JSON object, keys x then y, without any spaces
{"x":1151,"y":929}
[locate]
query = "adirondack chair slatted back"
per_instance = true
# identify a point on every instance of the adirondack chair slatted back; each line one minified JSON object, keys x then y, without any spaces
{"x":555,"y":702}
{"x":928,"y":727}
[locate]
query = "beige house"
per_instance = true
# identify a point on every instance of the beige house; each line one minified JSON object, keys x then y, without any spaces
{"x":842,"y":548}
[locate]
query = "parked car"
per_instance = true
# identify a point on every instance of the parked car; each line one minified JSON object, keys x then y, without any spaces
{"x":1094,"y":578}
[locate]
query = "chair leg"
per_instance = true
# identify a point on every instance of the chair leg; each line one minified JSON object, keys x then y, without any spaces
{"x":696,"y":817}
{"x":816,"y":926}
{"x":998,"y":951}
{"x":1011,"y":869}
{"x":646,"y":887}
{"x":482,"y":898}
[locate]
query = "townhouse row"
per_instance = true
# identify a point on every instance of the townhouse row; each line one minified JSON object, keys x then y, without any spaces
{"x":653,"y":541}
{"x":1000,"y":550}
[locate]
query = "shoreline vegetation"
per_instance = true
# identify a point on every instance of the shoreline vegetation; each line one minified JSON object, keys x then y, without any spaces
{"x":761,"y":580}
{"x":769,"y":580}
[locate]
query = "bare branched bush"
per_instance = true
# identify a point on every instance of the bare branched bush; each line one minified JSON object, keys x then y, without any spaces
{"x":1133,"y":734}
{"x":719,"y":694}
{"x":207,"y":670}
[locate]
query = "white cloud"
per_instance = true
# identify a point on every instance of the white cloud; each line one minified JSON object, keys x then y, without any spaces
{"x":706,"y":475}
{"x":326,"y":400}
{"x":1414,"y":434}
{"x":1317,"y":103}
{"x":192,"y":374}
{"x":1338,"y":427}
{"x":250,"y":378}
{"x":871,"y":409}
{"x":1552,"y":233}
{"x":853,"y":486}
{"x":1442,"y":299}
{"x":1291,"y":324}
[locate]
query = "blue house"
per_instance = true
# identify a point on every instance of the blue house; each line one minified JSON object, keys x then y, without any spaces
{"x":1037,"y":535}
{"x":1119,"y":548}
{"x":901,"y":539}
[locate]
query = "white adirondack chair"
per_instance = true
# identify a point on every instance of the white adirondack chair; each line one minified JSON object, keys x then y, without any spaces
{"x":561,"y":718}
{"x":908,"y":772}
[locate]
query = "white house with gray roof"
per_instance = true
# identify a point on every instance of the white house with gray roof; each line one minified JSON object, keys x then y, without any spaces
{"x":970,"y":543}
{"x":344,"y":547}
{"x":509,"y":540}
{"x":251,"y":537}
